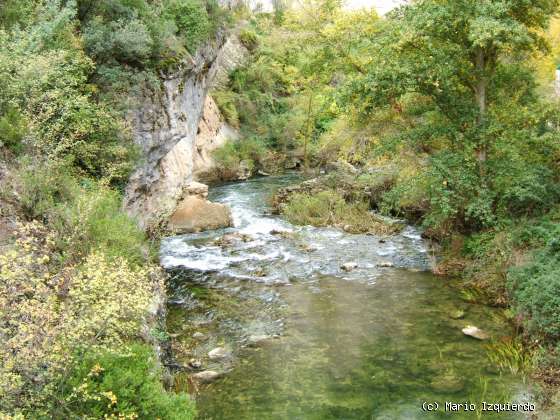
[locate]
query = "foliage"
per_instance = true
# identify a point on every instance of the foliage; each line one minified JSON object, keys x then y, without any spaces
{"x":121,"y":385}
{"x":13,"y":128}
{"x":49,"y":311}
{"x":86,"y":217}
{"x":286,"y":93}
{"x":249,"y":39}
{"x":230,"y":157}
{"x":536,"y":290}
{"x":49,"y":90}
{"x":445,"y":79}
{"x":510,"y":354}
{"x":328,"y":208}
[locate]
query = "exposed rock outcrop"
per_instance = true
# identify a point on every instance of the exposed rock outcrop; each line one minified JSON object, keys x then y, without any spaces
{"x":213,"y":132}
{"x":176,"y":128}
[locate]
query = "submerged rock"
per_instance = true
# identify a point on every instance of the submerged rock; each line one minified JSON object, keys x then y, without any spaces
{"x":457,"y":314}
{"x":349,"y":266}
{"x":206,"y":376}
{"x":448,"y":383}
{"x":230,"y":238}
{"x":256,"y":340}
{"x":475,"y":332}
{"x":218,"y":353}
{"x":198,"y":336}
{"x":195,"y":214}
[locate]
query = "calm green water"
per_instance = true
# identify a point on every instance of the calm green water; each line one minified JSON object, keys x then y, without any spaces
{"x":373,"y":343}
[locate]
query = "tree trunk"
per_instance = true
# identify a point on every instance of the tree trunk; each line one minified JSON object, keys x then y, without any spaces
{"x":480,"y":93}
{"x":308,"y":133}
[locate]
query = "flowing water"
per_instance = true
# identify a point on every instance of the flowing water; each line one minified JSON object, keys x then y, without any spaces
{"x":310,"y":340}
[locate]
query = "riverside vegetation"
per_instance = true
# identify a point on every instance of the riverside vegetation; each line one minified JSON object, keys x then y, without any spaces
{"x":448,"y":113}
{"x":79,"y":283}
{"x":444,"y":109}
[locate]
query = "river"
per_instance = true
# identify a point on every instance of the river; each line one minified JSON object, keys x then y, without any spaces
{"x":311,"y":340}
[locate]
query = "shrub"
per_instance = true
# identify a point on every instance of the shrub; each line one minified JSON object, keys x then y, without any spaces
{"x":192,"y":20}
{"x":126,"y":41}
{"x":249,"y":39}
{"x":226,"y":103}
{"x":41,"y":186}
{"x":94,"y":220}
{"x":13,"y":128}
{"x":121,"y":385}
{"x":86,"y":217}
{"x":47,"y":311}
{"x":536,"y":291}
{"x":328,"y":208}
{"x":228,"y":158}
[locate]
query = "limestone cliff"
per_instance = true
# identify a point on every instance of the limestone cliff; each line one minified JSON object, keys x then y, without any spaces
{"x":176,"y":129}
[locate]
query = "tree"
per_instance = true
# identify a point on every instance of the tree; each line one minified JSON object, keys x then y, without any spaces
{"x":451,"y":52}
{"x":455,"y":73}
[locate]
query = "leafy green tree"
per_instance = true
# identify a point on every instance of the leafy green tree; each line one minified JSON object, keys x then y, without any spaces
{"x":453,"y":72}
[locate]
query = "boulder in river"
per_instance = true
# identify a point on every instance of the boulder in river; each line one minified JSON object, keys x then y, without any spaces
{"x":475,"y":332}
{"x":195,"y":214}
{"x":206,"y":376}
{"x":349,"y":266}
{"x":218,"y":353}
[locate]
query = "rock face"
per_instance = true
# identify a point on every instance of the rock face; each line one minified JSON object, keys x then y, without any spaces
{"x":176,"y":128}
{"x":213,"y":132}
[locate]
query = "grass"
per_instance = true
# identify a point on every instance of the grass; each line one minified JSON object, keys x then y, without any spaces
{"x":329,"y":208}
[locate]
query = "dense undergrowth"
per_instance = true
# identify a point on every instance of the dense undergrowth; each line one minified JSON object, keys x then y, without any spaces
{"x":79,"y":283}
{"x":454,"y":102}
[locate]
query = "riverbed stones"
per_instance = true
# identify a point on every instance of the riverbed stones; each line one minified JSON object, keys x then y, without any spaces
{"x":475,"y":332}
{"x":199,"y":336}
{"x":195,"y":214}
{"x":257,"y":340}
{"x":195,"y":364}
{"x":206,"y":376}
{"x":349,"y":266}
{"x":218,"y":353}
{"x":457,"y":314}
{"x":448,"y":383}
{"x":385,"y":264}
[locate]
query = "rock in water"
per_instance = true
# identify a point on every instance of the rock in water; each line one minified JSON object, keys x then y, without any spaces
{"x":457,"y":314}
{"x":448,"y":383}
{"x":385,"y":264}
{"x":257,"y":340}
{"x":349,"y":266}
{"x":199,"y":336}
{"x":195,"y":364}
{"x":195,"y":214}
{"x":206,"y":376}
{"x":475,"y":332}
{"x":218,"y":353}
